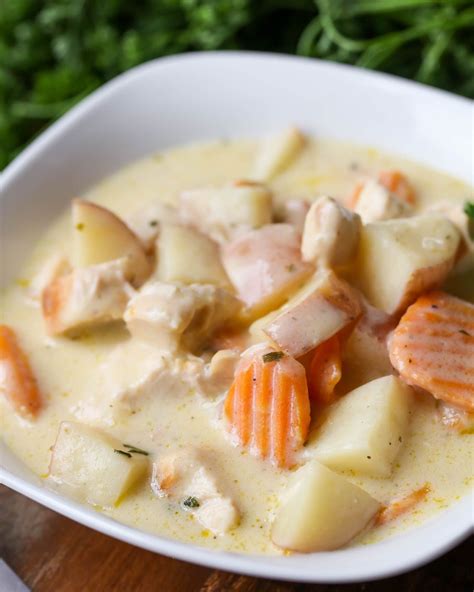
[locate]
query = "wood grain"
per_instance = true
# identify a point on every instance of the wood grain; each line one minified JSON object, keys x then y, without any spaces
{"x":53,"y":554}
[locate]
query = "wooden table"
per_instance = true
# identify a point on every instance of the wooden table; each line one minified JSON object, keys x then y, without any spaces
{"x":53,"y":554}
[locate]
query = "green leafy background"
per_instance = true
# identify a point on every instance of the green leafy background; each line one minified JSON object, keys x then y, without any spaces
{"x":55,"y":52}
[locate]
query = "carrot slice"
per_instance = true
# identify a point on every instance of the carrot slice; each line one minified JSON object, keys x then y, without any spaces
{"x":325,"y":371}
{"x":433,"y":348}
{"x":267,"y":407}
{"x":354,"y":197}
{"x":17,"y":381}
{"x":402,"y":505}
{"x":398,"y":184}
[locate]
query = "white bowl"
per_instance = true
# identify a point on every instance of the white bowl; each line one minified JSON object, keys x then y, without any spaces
{"x":201,"y":96}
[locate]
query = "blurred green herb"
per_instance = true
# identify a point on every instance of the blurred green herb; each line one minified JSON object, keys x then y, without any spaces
{"x":54,"y":52}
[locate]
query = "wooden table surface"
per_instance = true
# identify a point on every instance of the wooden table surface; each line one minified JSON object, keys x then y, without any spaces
{"x":51,"y":553}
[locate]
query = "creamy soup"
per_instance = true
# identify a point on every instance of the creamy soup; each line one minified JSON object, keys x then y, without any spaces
{"x":252,"y":353}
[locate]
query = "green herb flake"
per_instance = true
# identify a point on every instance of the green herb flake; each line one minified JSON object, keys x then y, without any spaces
{"x":191,"y":502}
{"x":153,"y":223}
{"x":469,"y":209}
{"x":291,"y":268}
{"x":80,"y":226}
{"x":272,"y":357}
{"x":134,"y":450}
{"x":123,"y":453}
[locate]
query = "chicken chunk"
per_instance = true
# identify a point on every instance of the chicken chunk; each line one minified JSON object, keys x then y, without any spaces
{"x":174,"y":316}
{"x":146,"y":221}
{"x":217,"y":376}
{"x":331,"y":233}
{"x":375,"y":202}
{"x":187,"y":477}
{"x":228,"y":211}
{"x":85,"y":297}
{"x":265,"y":267}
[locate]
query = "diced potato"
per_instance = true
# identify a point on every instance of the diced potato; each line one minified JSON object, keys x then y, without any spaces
{"x":84,"y":460}
{"x":146,"y":221}
{"x":86,"y":297}
{"x":224,"y":211}
{"x":277,"y":152}
{"x":322,"y":511}
{"x":365,"y":429}
{"x":185,"y":255}
{"x":375,"y":202}
{"x":331,"y":233}
{"x":100,"y":236}
{"x":365,"y":352}
{"x":265,"y":267}
{"x":319,"y":311}
{"x":397,"y":260}
{"x":171,"y":316}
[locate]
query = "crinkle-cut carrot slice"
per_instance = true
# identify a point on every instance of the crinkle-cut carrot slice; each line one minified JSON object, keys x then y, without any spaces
{"x":402,"y":505}
{"x":267,"y":407}
{"x":325,"y":370}
{"x":17,"y":381}
{"x":433,"y":348}
{"x":397,"y":183}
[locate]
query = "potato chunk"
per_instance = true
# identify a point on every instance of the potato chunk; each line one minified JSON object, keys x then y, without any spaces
{"x":265,"y":267}
{"x":331,"y":233}
{"x":86,"y":297}
{"x":171,"y":316}
{"x":319,"y":311}
{"x":322,"y":511}
{"x":84,"y":460}
{"x":100,"y":236}
{"x":277,"y":152}
{"x":365,"y":429}
{"x":185,"y":255}
{"x":397,"y":260}
{"x":223,"y":212}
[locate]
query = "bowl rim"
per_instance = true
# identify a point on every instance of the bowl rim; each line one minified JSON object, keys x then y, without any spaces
{"x":404,"y":551}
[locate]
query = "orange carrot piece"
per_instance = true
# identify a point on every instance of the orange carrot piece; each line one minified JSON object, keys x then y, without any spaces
{"x":17,"y":381}
{"x":267,"y":407}
{"x":398,"y":184}
{"x":433,"y":348}
{"x":402,"y":505}
{"x":325,"y":370}
{"x":354,"y":197}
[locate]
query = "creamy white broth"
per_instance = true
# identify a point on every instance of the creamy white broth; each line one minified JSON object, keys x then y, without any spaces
{"x":70,"y":370}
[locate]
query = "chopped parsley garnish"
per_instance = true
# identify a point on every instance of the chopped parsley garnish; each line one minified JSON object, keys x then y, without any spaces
{"x":80,"y":226}
{"x":134,"y":450}
{"x":191,"y":502}
{"x":153,"y":222}
{"x":272,"y":357}
{"x":469,"y":209}
{"x":123,"y":453}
